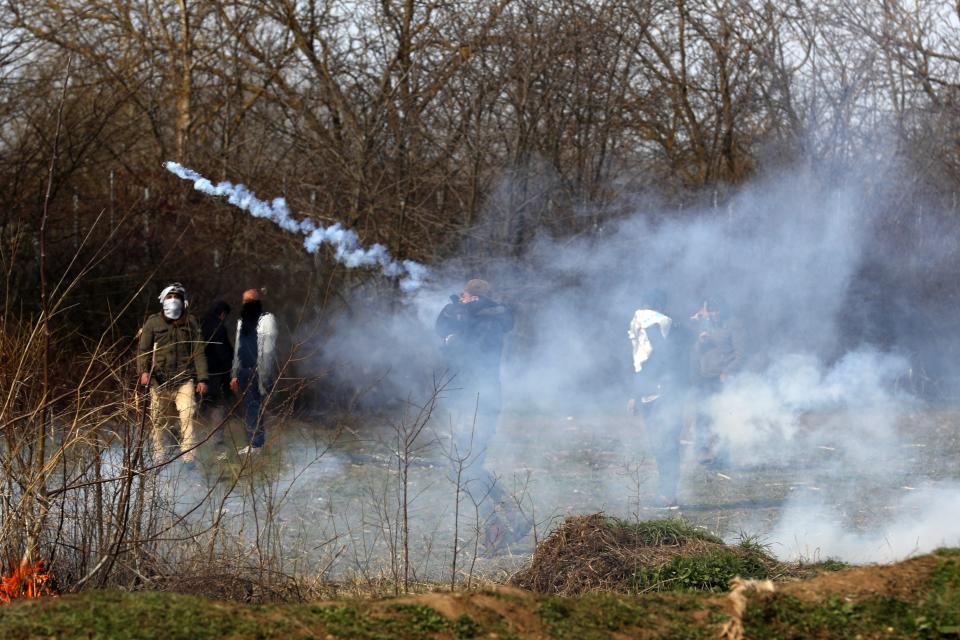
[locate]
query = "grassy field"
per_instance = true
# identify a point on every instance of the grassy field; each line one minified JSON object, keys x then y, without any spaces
{"x":919,"y":598}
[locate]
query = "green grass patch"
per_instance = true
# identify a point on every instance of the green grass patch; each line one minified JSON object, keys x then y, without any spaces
{"x":101,"y":615}
{"x":402,"y":621}
{"x":596,"y":616}
{"x":465,"y":628}
{"x":830,"y":565}
{"x":710,"y":571}
{"x":116,"y":615}
{"x":939,"y":608}
{"x":784,"y":616}
{"x":661,"y":532}
{"x":934,"y":614}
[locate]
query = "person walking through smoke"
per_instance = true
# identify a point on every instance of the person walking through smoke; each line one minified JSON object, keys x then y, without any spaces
{"x":718,"y":355}
{"x":660,"y":367}
{"x":219,"y":354}
{"x":171,"y":361}
{"x":254,"y":366}
{"x":472,"y":328}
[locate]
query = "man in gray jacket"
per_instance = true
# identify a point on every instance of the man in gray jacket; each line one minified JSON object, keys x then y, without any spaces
{"x":254,"y":365}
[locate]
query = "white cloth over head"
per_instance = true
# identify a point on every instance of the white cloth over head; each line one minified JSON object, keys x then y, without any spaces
{"x":176,"y":287}
{"x":643,"y":319}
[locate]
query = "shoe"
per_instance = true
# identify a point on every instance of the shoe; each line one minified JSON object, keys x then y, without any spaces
{"x":518,"y":524}
{"x":505,"y":526}
{"x":493,"y":541}
{"x":249,"y":451}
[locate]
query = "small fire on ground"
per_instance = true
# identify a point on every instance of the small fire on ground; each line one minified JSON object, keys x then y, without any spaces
{"x":25,"y":581}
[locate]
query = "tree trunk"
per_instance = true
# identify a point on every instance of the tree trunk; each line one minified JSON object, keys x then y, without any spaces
{"x":185,"y":90}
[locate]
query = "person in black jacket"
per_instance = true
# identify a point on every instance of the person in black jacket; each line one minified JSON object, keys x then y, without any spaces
{"x":472,"y":328}
{"x":219,"y":354}
{"x":718,"y":355}
{"x":661,"y":369}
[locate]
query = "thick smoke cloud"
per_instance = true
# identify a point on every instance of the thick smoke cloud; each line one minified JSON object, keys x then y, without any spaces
{"x":761,"y":415}
{"x":784,"y":256}
{"x":923,"y":520}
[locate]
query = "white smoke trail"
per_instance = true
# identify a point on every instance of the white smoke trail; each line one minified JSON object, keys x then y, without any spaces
{"x":346,"y":243}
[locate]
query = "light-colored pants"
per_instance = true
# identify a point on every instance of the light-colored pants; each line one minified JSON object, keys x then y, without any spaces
{"x":167,"y":405}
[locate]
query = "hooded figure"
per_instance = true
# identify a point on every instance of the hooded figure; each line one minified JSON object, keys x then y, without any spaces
{"x":218,"y":349}
{"x":473,"y":327}
{"x":219,"y":354}
{"x":172,"y":362}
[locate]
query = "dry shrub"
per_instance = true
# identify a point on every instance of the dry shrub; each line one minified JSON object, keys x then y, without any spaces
{"x":599,"y":553}
{"x":238,"y":584}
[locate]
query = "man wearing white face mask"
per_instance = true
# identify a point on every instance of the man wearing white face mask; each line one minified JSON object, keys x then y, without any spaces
{"x":171,"y":360}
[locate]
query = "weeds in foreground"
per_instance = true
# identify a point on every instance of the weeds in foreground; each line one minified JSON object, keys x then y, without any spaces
{"x":710,"y":571}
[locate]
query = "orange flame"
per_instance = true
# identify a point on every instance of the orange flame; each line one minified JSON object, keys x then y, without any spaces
{"x":25,"y":581}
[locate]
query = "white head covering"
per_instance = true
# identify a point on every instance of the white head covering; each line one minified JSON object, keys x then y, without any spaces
{"x":643,"y":320}
{"x":176,"y":287}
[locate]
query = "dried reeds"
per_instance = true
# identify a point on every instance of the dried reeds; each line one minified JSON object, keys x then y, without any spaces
{"x":599,"y":553}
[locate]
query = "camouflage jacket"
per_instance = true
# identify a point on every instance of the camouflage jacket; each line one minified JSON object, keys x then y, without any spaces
{"x":172,"y":351}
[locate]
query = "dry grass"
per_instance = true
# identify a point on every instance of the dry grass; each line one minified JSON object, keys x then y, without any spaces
{"x":599,"y":553}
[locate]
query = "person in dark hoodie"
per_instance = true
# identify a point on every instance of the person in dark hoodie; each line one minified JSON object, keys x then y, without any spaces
{"x":472,"y":328}
{"x":219,"y":352}
{"x":661,"y":374}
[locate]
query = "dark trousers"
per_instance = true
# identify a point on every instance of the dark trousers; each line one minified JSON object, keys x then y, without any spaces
{"x":705,"y":440}
{"x":474,"y":414}
{"x":216,"y":404}
{"x":252,"y":406}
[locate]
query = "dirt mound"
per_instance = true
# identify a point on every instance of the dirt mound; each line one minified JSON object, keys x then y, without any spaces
{"x":496,"y":608}
{"x":901,"y":580}
{"x":600,"y":553}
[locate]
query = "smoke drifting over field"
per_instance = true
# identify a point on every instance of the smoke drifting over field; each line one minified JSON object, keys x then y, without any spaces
{"x":785,"y":256}
{"x":925,"y":519}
